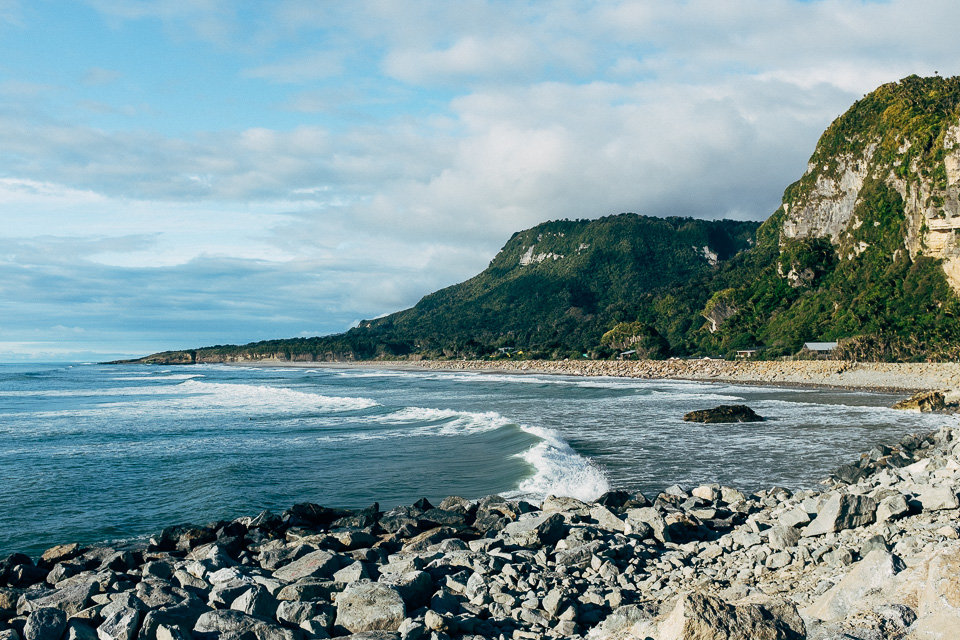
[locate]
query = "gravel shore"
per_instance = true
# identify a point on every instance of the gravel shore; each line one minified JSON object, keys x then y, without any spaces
{"x":874,"y":556}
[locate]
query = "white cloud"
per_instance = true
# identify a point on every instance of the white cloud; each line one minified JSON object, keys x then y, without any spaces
{"x":303,"y":68}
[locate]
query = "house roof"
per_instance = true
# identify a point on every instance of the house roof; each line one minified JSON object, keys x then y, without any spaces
{"x":820,"y":346}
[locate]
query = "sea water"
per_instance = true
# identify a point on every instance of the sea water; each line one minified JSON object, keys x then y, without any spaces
{"x":95,"y":453}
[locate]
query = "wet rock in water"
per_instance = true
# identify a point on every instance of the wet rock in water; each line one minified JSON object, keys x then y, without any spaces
{"x":724,"y":413}
{"x":925,"y":402}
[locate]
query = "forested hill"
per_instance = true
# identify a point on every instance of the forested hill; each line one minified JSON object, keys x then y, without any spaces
{"x":552,"y":291}
{"x":864,"y":250}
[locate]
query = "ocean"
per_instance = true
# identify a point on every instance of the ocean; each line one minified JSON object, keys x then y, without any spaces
{"x":96,"y":453}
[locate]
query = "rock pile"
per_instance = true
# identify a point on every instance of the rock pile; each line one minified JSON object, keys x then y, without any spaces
{"x":875,"y":555}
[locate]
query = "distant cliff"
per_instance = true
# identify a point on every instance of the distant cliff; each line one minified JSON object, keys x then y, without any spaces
{"x":865,"y":250}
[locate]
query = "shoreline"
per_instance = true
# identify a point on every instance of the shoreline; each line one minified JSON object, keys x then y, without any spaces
{"x":876,"y":553}
{"x":880,"y":377}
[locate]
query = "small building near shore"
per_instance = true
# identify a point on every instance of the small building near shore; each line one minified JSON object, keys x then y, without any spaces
{"x":628,"y":355}
{"x":746,"y":354}
{"x":819,"y":349}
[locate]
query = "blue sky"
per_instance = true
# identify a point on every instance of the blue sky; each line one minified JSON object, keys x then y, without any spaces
{"x":177,"y":174}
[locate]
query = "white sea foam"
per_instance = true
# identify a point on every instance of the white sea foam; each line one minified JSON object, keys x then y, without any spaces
{"x":263,"y":398}
{"x":419,"y":422}
{"x":559,"y":470}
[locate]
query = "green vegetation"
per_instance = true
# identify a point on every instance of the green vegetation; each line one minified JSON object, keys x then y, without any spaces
{"x":678,"y":286}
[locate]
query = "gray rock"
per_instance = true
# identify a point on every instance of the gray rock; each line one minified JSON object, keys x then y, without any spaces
{"x":842,"y":511}
{"x":78,"y":630}
{"x":182,"y":617}
{"x":45,"y":623}
{"x":892,"y":507}
{"x":415,"y":587}
{"x":370,"y":606}
{"x":535,"y":530}
{"x":647,"y":518}
{"x":70,"y":598}
{"x":318,"y":564}
{"x":11,"y":634}
{"x":352,"y":573}
{"x":782,"y":537}
{"x":699,"y":616}
{"x":236,"y":624}
{"x":796,"y":517}
{"x":121,"y":625}
{"x":296,"y":613}
{"x":606,"y":519}
{"x":937,"y":498}
{"x":871,"y":573}
{"x":257,"y":602}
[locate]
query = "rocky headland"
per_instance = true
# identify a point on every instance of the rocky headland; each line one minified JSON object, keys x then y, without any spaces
{"x":875,"y":554}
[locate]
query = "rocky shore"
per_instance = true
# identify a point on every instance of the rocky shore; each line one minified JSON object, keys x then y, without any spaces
{"x":874,"y":555}
{"x":909,"y":376}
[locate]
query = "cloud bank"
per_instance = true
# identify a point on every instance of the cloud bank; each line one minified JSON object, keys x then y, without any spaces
{"x":176,"y":175}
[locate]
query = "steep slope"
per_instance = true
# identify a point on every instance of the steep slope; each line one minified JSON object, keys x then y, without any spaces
{"x":866,"y":245}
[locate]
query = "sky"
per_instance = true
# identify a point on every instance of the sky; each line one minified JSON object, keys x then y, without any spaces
{"x":178,"y":174}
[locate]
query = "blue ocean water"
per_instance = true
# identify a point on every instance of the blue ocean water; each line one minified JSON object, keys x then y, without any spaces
{"x":94,"y":453}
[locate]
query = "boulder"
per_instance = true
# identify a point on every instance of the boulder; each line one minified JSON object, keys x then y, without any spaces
{"x":892,"y":507}
{"x":59,"y":553}
{"x":535,"y":530}
{"x":647,"y":520}
{"x":724,"y":413}
{"x":370,"y":606}
{"x":937,"y":498}
{"x":698,"y":616}
{"x":318,"y":564}
{"x":842,"y":511}
{"x":45,"y":624}
{"x":217,"y":624}
{"x":121,"y":625}
{"x":869,"y":575}
{"x":926,"y":401}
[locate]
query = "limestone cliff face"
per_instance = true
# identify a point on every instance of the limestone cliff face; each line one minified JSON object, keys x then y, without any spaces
{"x":905,"y":134}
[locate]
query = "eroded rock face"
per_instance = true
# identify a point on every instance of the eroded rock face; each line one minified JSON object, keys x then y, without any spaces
{"x":869,"y":575}
{"x":724,"y":413}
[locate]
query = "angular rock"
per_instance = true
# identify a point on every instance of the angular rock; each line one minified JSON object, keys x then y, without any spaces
{"x":937,"y":498}
{"x":724,"y":413}
{"x":319,"y":564}
{"x":121,"y":625}
{"x":536,"y":531}
{"x":77,"y":630}
{"x":699,"y":616}
{"x":45,"y":624}
{"x":870,"y":574}
{"x":892,"y":507}
{"x":781,"y":537}
{"x":256,"y":602}
{"x":650,"y":519}
{"x":59,"y":553}
{"x":607,"y":519}
{"x":842,"y":511}
{"x":229,"y":623}
{"x":370,"y":606}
